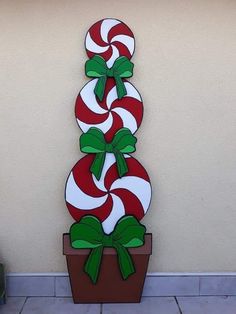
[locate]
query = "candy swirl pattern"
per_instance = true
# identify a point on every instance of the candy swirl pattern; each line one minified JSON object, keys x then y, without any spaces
{"x":112,"y":113}
{"x":109,"y":38}
{"x":111,"y":197}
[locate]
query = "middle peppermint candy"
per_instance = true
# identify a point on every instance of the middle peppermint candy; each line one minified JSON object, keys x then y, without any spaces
{"x":110,"y":114}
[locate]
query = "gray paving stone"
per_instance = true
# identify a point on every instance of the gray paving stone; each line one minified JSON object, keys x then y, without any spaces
{"x":23,"y":286}
{"x":160,"y":305}
{"x":49,"y":305}
{"x":207,"y":305}
{"x":13,"y":305}
{"x":218,"y":285}
{"x":63,"y":288}
{"x":171,"y":286}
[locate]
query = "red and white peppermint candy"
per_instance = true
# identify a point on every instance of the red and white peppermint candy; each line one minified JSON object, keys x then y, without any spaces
{"x":112,"y":113}
{"x":110,"y":39}
{"x":111,"y":197}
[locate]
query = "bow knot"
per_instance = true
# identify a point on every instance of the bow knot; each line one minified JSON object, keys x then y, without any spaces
{"x":93,"y":141}
{"x":109,"y":148}
{"x":122,"y":68}
{"x":88,"y":234}
{"x":107,"y":241}
{"x":110,"y":72}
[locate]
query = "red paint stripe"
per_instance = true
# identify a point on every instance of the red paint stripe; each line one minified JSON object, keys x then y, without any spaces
{"x":119,"y":29}
{"x":95,"y":33}
{"x":101,"y":212}
{"x":132,"y":105}
{"x":116,"y":125}
{"x":106,"y":54}
{"x":136,"y":169}
{"x":110,"y":176}
{"x":122,"y":48}
{"x":132,"y":204}
{"x":109,"y":85}
{"x":83,"y":177}
{"x":83,"y":113}
{"x":90,"y":54}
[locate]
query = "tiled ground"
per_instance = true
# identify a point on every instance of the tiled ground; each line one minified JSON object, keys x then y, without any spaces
{"x":149,"y":305}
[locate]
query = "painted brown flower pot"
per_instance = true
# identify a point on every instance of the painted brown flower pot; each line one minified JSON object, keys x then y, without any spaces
{"x":110,"y":287}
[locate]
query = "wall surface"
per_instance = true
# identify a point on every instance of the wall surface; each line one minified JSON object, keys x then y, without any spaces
{"x":185,"y":70}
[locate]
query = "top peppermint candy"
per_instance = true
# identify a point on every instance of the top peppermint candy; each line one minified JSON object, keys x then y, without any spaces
{"x":110,"y":39}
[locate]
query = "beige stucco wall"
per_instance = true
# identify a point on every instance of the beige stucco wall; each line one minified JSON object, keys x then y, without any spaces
{"x":185,"y":70}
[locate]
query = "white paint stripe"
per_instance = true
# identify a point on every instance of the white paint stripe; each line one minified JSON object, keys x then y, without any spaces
{"x":128,"y":119}
{"x":109,"y":161}
{"x":138,"y":186}
{"x":132,"y":92}
{"x":111,"y":96}
{"x":92,"y":46}
{"x":77,"y":198}
{"x":114,"y":56}
{"x":117,"y":212}
{"x":125,"y":40}
{"x":104,"y":126}
{"x":89,"y":98}
{"x":106,"y":26}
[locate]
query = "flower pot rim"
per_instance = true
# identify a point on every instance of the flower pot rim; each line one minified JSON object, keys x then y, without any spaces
{"x":145,"y":249}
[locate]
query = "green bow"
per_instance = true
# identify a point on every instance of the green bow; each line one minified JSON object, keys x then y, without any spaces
{"x":88,"y":234}
{"x":93,"y":141}
{"x":97,"y":67}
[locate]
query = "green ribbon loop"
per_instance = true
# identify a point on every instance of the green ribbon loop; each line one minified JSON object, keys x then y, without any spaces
{"x":97,"y":67}
{"x":88,"y":234}
{"x":93,"y":142}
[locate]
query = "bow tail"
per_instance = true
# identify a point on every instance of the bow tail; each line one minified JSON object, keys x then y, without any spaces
{"x":125,"y":261}
{"x":121,"y":164}
{"x":120,"y":87}
{"x":93,"y":263}
{"x":100,"y":87}
{"x":97,"y":165}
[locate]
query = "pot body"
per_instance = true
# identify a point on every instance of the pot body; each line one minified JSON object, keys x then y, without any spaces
{"x":110,"y":287}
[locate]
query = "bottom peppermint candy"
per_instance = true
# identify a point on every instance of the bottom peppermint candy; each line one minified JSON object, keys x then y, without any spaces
{"x":111,"y":197}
